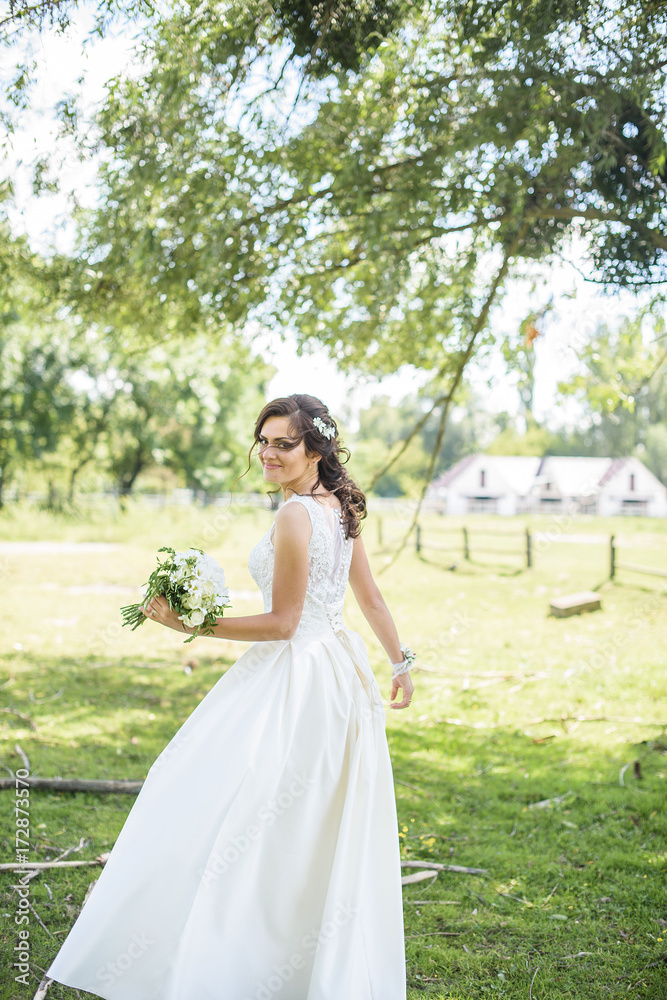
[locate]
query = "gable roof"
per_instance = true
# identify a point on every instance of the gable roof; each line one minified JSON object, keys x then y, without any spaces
{"x":570,"y":475}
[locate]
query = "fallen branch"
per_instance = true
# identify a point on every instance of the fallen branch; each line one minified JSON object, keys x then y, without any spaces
{"x":418,"y":877}
{"x":431,"y":902}
{"x":547,"y":803}
{"x":508,"y":895}
{"x":530,"y":991}
{"x":562,"y":719}
{"x":39,"y":919}
{"x":43,"y":987}
{"x":88,"y":892}
{"x":413,"y":787}
{"x":621,"y":773}
{"x":480,"y":898}
{"x":15,"y":866}
{"x":437,"y":934}
{"x":549,"y":896}
{"x":19,"y":715}
{"x":23,"y":755}
{"x":83,"y":842}
{"x":76,"y":785}
{"x":595,"y":718}
{"x":437,"y":866}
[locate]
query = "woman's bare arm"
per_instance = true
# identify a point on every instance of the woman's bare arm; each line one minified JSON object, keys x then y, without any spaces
{"x":376,"y":613}
{"x":290,"y":578}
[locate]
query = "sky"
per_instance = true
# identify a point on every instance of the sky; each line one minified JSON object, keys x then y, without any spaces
{"x":63,"y":59}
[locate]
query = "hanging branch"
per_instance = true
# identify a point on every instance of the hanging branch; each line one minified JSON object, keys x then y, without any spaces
{"x":446,"y":399}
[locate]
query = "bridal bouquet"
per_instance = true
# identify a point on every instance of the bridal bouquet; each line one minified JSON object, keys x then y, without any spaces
{"x":194,"y":585}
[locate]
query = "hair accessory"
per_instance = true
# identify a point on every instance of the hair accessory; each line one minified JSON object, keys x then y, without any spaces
{"x":326,"y":430}
{"x":406,"y":663}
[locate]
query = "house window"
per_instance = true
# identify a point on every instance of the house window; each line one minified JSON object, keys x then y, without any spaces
{"x":632,"y":481}
{"x":482,"y":478}
{"x":483,"y":505}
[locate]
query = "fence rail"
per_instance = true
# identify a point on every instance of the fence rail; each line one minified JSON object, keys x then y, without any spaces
{"x":614,"y":563}
{"x":465,"y":546}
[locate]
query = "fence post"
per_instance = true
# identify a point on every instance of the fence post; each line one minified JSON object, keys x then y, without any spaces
{"x":419,"y":540}
{"x":379,"y":531}
{"x":466,"y":549}
{"x":612,"y":558}
{"x":529,"y":548}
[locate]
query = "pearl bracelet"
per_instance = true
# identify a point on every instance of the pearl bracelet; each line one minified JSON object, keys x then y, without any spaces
{"x":406,"y":663}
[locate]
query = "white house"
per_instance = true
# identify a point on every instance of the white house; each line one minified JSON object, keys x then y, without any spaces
{"x":515,"y":484}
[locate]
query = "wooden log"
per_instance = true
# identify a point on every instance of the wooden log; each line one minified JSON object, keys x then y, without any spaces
{"x":43,"y":987}
{"x":75,"y":784}
{"x":574,"y":604}
{"x":438,"y":866}
{"x":38,"y":866}
{"x":418,"y":877}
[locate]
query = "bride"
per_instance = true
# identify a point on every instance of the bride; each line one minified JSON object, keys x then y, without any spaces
{"x":260,"y":860}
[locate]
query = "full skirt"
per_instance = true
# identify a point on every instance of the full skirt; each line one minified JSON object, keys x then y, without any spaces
{"x":260,"y":860}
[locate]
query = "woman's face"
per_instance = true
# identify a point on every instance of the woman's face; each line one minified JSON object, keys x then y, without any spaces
{"x":283,"y":457}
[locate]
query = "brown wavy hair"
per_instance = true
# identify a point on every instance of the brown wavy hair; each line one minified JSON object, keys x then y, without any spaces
{"x":331,"y":474}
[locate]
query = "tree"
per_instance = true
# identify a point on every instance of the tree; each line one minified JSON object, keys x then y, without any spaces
{"x":622,"y":387}
{"x":381,"y":213}
{"x":35,"y":399}
{"x":185,"y":406}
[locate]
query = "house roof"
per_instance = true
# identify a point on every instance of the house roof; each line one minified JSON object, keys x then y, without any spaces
{"x":574,"y":476}
{"x":516,"y":471}
{"x":445,"y":478}
{"x":569,"y":475}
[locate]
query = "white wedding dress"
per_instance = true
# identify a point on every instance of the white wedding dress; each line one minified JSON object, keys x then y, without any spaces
{"x":260,"y":860}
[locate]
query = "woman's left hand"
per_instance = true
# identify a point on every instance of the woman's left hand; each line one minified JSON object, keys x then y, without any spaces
{"x":158,"y":610}
{"x":404,"y":682}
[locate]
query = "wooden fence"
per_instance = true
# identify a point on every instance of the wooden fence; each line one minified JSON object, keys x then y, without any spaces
{"x":615,"y":564}
{"x":470,"y":550}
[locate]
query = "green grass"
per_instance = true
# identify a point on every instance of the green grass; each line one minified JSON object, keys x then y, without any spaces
{"x":511,"y":708}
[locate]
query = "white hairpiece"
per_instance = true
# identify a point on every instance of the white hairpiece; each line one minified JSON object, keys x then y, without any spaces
{"x":326,"y":430}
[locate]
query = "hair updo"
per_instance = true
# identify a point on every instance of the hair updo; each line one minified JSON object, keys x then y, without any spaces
{"x":302,"y":410}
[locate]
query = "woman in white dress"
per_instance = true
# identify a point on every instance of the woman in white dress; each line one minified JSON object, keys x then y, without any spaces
{"x":260,"y":860}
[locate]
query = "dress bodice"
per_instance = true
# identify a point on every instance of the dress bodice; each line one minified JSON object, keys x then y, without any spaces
{"x":329,"y":557}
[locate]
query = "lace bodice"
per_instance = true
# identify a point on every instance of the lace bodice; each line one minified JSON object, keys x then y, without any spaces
{"x":329,"y":556}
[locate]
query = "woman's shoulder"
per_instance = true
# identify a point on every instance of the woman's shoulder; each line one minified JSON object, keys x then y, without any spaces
{"x":293,"y":515}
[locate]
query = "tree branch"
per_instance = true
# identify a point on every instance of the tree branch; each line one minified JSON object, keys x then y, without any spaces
{"x":599,"y":215}
{"x":477,"y":327}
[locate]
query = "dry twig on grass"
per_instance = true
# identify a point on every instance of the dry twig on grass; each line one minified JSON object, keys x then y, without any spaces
{"x":43,"y":987}
{"x":101,"y":859}
{"x":438,"y":866}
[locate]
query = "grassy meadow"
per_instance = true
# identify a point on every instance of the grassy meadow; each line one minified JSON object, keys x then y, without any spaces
{"x":534,"y":748}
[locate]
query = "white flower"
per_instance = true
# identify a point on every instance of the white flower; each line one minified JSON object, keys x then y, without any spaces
{"x":195,"y":618}
{"x":326,"y":430}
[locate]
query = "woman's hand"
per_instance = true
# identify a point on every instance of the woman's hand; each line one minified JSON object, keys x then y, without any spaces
{"x":158,"y":610}
{"x":403,"y":681}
